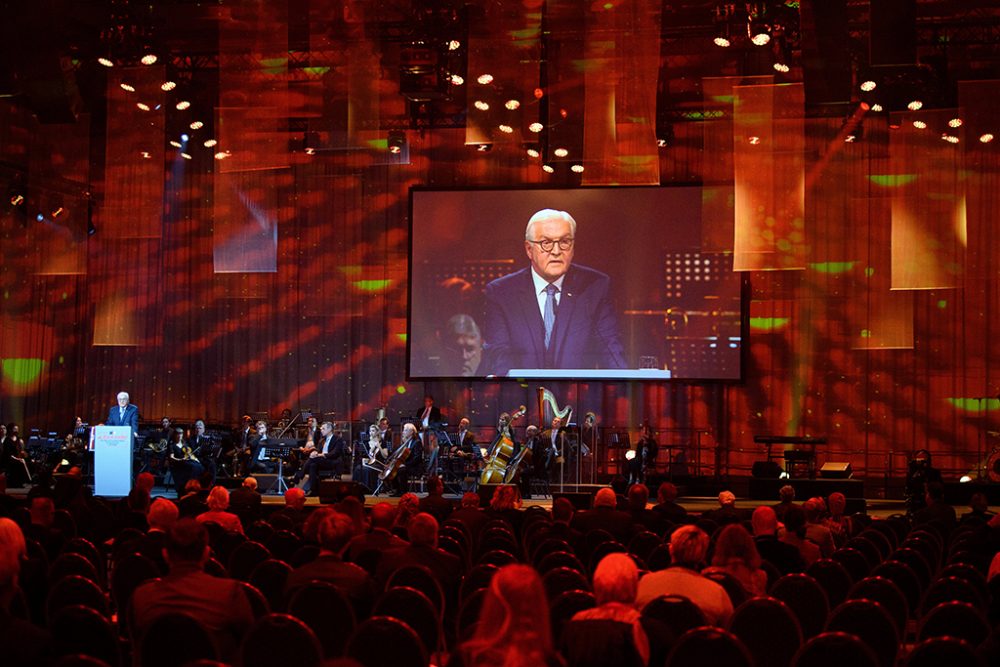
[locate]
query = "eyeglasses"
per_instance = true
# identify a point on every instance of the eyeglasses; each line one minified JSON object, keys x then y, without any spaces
{"x":548,"y":244}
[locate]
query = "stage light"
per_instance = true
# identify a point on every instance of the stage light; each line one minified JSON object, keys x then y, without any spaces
{"x":850,"y":138}
{"x":182,"y":105}
{"x":148,"y":59}
{"x":484,"y":148}
{"x":91,"y":230}
{"x":536,"y":127}
{"x":577,"y":168}
{"x":175,"y":144}
{"x":145,"y":155}
{"x":783,"y":475}
{"x":868,"y":86}
{"x":17,"y":200}
{"x":920,"y":125}
{"x":142,"y":106}
{"x":186,"y":156}
{"x":396,"y":141}
{"x":758,"y":33}
{"x":456,"y":80}
{"x":454,"y":45}
{"x":781,"y":67}
{"x":209,"y":143}
{"x":661,"y":143}
{"x":311,"y":151}
{"x":985,"y":138}
{"x":560,"y":152}
{"x":59,"y":211}
{"x":964,"y":479}
{"x":197,"y":125}
{"x":485,"y":79}
{"x":482,"y":106}
{"x":754,"y":140}
{"x":107,"y":62}
{"x":915,"y":105}
{"x":512,"y":104}
{"x":876,"y":107}
{"x":506,"y":129}
{"x":548,"y":169}
{"x":722,"y":42}
{"x":950,"y":138}
{"x":222,"y":155}
{"x":533,"y":152}
{"x":39,"y":217}
{"x":167,"y":86}
{"x":955,"y":122}
{"x":127,"y":87}
{"x":184,"y":138}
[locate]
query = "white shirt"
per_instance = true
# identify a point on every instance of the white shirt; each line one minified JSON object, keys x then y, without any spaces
{"x":540,"y":285}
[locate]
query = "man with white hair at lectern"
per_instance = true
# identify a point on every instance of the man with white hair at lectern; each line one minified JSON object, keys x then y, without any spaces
{"x":124,"y":414}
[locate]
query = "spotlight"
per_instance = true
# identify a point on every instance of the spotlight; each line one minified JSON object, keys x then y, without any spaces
{"x":186,"y":156}
{"x":311,"y":151}
{"x":955,"y":122}
{"x":964,"y":479}
{"x":456,"y":80}
{"x":985,"y":138}
{"x":91,"y":230}
{"x":722,"y":42}
{"x":850,"y":138}
{"x":145,"y":155}
{"x":506,"y":129}
{"x":148,"y":59}
{"x":454,"y":45}
{"x":175,"y":144}
{"x":548,"y":168}
{"x":106,"y":62}
{"x":754,"y":140}
{"x":759,"y":36}
{"x":876,"y":107}
{"x":560,"y":152}
{"x":184,"y":138}
{"x":396,"y":141}
{"x":533,"y":152}
{"x":182,"y":105}
{"x":661,"y":143}
{"x":209,"y":143}
{"x":127,"y":87}
{"x":485,"y":79}
{"x":868,"y":86}
{"x":781,"y":67}
{"x":142,"y":106}
{"x":536,"y":127}
{"x":783,"y":475}
{"x":484,"y":148}
{"x":16,"y":200}
{"x":950,"y":138}
{"x":59,"y":211}
{"x":577,"y":168}
{"x":920,"y":125}
{"x":915,"y":105}
{"x":222,"y":155}
{"x":482,"y":106}
{"x":512,"y":104}
{"x":39,"y":217}
{"x":197,"y":125}
{"x":167,"y":86}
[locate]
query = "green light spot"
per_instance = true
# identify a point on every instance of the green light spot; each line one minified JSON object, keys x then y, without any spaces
{"x":22,"y":371}
{"x":372,"y":285}
{"x":316,"y":71}
{"x":401,"y":337}
{"x":65,"y":296}
{"x":62,"y":360}
{"x":400,"y":389}
{"x":869,"y":271}
{"x":974,"y":404}
{"x":608,"y":6}
{"x":892,"y":180}
{"x":942,"y":304}
{"x":865,"y":333}
{"x":768,"y":323}
{"x":832,"y":267}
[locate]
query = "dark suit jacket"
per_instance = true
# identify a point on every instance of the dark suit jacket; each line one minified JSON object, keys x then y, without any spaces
{"x":616,"y":522}
{"x":435,"y":416}
{"x":447,"y":568}
{"x":131,"y":417}
{"x":586,"y":333}
{"x":415,"y":460}
{"x":348,"y":577}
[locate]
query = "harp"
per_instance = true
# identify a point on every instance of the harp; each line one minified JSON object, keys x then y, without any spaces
{"x":548,"y":408}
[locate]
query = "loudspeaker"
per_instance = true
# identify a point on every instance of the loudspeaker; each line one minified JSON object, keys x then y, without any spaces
{"x":265,"y":481}
{"x":486,"y":492}
{"x":581,"y":500}
{"x":836,"y":470}
{"x":335,"y":490}
{"x":765,"y":469}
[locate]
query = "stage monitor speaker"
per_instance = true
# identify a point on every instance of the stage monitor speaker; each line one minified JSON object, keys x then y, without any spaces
{"x":765,"y":469}
{"x":265,"y":481}
{"x":335,"y":490}
{"x":486,"y":492}
{"x":581,"y":499}
{"x":836,"y":470}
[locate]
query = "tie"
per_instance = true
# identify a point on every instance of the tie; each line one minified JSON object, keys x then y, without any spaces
{"x":121,"y":414}
{"x":326,"y":444}
{"x":550,"y":312}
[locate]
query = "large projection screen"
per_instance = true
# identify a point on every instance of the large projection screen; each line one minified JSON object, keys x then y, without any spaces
{"x":633,"y":296}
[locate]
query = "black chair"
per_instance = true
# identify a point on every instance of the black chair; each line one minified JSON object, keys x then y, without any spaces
{"x":216,"y":569}
{"x":226,"y":543}
{"x":547,"y":546}
{"x":902,"y":575}
{"x":835,"y":649}
{"x":769,"y":630}
{"x":245,"y":558}
{"x":73,"y":564}
{"x":416,"y":610}
{"x":866,"y":547}
{"x":869,"y":622}
{"x":591,"y":540}
{"x":305,"y":554}
{"x":477,"y":578}
{"x":938,"y":651}
{"x":161,"y":644}
{"x":887,"y":594}
{"x":468,"y":615}
{"x":86,"y":548}
{"x":454,"y":547}
{"x":917,"y":562}
{"x":382,"y":640}
{"x":280,"y":639}
{"x":930,"y":549}
{"x":659,"y":558}
{"x":563,"y":579}
{"x":498,"y":557}
{"x":497,"y":541}
{"x":80,"y":660}
{"x":833,"y":578}
{"x":457,"y":533}
{"x":676,"y":612}
{"x":565,"y":606}
{"x":709,"y":646}
{"x":734,"y":589}
{"x":259,"y":531}
{"x":881,"y":542}
{"x":887,"y":531}
{"x":259,"y":605}
{"x":269,"y":578}
{"x":603,"y":549}
{"x":807,"y":600}
{"x":79,"y":629}
{"x":76,"y":590}
{"x":560,"y":559}
{"x":422,"y":579}
{"x":853,"y":561}
{"x":131,"y":571}
{"x":283,"y":544}
{"x":967,"y":572}
{"x":643,"y":543}
{"x":599,"y":642}
{"x":950,"y":589}
{"x":324,"y":608}
{"x":955,"y":619}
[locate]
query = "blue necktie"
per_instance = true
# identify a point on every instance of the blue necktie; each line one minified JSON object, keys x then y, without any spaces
{"x":550,"y":312}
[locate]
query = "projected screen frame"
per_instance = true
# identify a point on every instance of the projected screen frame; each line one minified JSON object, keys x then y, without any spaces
{"x":455,"y":235}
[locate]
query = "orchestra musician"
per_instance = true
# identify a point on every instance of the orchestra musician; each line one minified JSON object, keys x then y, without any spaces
{"x":429,"y":415}
{"x":413,"y":464}
{"x":465,"y":445}
{"x":645,"y":456}
{"x":327,"y":454}
{"x":15,"y":458}
{"x":166,"y":432}
{"x":258,"y":461}
{"x":371,"y":453}
{"x":204,"y":449}
{"x":556,"y":444}
{"x":242,"y":442}
{"x":385,"y":432}
{"x":183,"y":463}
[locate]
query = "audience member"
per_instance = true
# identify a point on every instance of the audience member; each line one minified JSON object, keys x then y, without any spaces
{"x":937,"y":511}
{"x":218,"y":503}
{"x":979,"y":510}
{"x":423,"y":550}
{"x":783,"y":556}
{"x":818,"y":532}
{"x":163,"y":514}
{"x":23,"y":644}
{"x":435,"y":503}
{"x":786,"y":498}
{"x":560,"y":528}
{"x":408,"y":507}
{"x":643,"y":518}
{"x":353,"y":509}
{"x":42,"y":528}
{"x":380,"y":539}
{"x":604,"y":516}
{"x":795,"y":534}
{"x":139,"y":497}
{"x":245,"y":501}
{"x":666,"y":504}
{"x":471,"y":515}
{"x":335,"y":532}
{"x":513,"y":628}
{"x":294,"y":509}
{"x":841,"y":526}
{"x":688,"y":546}
{"x":506,"y":504}
{"x":736,"y":554}
{"x":192,"y":502}
{"x":616,"y":582}
{"x":217,"y":604}
{"x":727,"y":512}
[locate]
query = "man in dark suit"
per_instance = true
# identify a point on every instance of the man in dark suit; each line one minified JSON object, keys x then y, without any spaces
{"x":414,"y":464}
{"x":370,"y":546}
{"x":435,"y":503}
{"x":782,"y":555}
{"x":258,"y":461}
{"x":423,"y":550}
{"x":555,"y":443}
{"x":605,"y":516}
{"x":552,"y":314}
{"x":429,"y":416}
{"x":245,"y":502}
{"x":204,"y":449}
{"x":124,"y":414}
{"x":327,"y":455}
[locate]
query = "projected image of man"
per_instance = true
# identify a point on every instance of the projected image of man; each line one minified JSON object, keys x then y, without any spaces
{"x":553,"y":313}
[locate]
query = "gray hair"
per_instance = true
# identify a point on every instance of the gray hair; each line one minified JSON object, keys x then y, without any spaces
{"x":545,"y":214}
{"x":122,"y":394}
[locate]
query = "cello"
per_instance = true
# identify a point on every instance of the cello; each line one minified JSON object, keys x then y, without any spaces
{"x":395,"y":462}
{"x":502,"y":450}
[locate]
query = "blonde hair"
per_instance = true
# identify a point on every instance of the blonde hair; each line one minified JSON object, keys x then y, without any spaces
{"x":218,"y":499}
{"x":616,"y":579}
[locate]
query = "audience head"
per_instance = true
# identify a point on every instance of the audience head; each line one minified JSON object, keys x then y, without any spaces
{"x":514,"y":618}
{"x":352,"y":508}
{"x":310,"y":527}
{"x":43,"y":511}
{"x":408,"y":506}
{"x":295,"y":498}
{"x":616,"y":579}
{"x":218,"y":499}
{"x":335,"y":531}
{"x":605,"y":498}
{"x":688,"y":546}
{"x":250,"y":483}
{"x":978,"y":503}
{"x":506,"y":497}
{"x":162,"y":514}
{"x":435,"y":486}
{"x":12,"y":551}
{"x":187,"y":542}
{"x":764,"y":521}
{"x":795,"y":521}
{"x":812,"y":511}
{"x":935,"y":492}
{"x":619,"y":484}
{"x":786,"y":493}
{"x":838,"y":503}
{"x":667,"y":493}
{"x":423,"y":530}
{"x":735,"y":546}
{"x":470,"y":500}
{"x":192,"y":486}
{"x":144,"y":481}
{"x":562,"y":510}
{"x":638,"y":496}
{"x":727,"y":499}
{"x":383,"y":515}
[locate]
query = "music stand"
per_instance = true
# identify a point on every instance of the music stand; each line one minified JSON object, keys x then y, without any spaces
{"x":280,"y":450}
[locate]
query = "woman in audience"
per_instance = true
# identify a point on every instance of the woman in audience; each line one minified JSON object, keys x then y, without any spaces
{"x":840,"y":525}
{"x":616,"y":581}
{"x":354,"y":509}
{"x":506,"y":504}
{"x":218,"y":503}
{"x":513,"y":628}
{"x":736,"y":554}
{"x":409,"y":507}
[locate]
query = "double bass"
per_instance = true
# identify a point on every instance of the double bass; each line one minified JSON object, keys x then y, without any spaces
{"x":502,"y":451}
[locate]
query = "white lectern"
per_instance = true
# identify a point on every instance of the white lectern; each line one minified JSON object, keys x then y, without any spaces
{"x":112,"y":461}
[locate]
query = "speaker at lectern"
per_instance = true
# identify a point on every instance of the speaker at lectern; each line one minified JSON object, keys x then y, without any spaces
{"x":112,"y":461}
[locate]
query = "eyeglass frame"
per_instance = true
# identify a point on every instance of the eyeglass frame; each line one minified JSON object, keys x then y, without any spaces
{"x":565,"y":244}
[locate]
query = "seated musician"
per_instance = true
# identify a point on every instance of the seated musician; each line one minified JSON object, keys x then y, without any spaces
{"x":183,"y":464}
{"x":413,"y":463}
{"x":465,"y":445}
{"x":204,"y":449}
{"x":257,"y":460}
{"x":327,"y":454}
